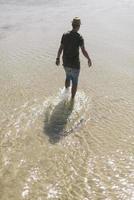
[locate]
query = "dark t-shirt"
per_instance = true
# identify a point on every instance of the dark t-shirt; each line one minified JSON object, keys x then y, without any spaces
{"x":71,"y":42}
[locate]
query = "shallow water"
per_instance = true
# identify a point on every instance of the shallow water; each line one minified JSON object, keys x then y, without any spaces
{"x":52,"y":148}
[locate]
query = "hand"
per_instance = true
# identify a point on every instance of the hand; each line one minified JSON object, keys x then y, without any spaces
{"x":89,"y":63}
{"x":57,"y":61}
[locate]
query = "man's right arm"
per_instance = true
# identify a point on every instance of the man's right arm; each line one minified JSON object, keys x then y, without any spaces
{"x":58,"y":54}
{"x":86,"y":55}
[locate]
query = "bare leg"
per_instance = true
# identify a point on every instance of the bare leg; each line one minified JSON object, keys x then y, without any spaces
{"x":73,"y":91}
{"x":67,"y":83}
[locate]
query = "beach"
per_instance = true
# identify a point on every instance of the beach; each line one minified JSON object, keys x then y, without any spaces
{"x":52,"y":148}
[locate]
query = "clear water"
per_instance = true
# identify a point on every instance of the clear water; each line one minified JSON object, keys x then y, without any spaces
{"x":52,"y":148}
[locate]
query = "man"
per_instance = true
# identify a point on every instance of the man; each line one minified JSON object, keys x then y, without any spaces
{"x":70,"y":43}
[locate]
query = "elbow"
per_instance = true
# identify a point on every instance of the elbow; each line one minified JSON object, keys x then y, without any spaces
{"x":61,"y":46}
{"x":84,"y":51}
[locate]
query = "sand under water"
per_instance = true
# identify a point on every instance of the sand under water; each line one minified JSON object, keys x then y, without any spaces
{"x":52,"y":148}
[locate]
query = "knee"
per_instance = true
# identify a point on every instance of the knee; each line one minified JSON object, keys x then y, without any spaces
{"x":74,"y":85}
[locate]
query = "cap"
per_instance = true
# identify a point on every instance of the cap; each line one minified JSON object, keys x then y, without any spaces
{"x":76,"y":21}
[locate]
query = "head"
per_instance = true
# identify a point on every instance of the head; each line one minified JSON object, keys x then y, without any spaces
{"x":76,"y":23}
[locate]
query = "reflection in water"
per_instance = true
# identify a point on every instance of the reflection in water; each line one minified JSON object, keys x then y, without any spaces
{"x":56,"y":120}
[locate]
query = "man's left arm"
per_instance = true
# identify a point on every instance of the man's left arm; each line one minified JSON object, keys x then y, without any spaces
{"x":86,"y":55}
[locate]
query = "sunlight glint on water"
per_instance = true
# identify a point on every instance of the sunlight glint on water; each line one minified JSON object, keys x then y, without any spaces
{"x":52,"y":148}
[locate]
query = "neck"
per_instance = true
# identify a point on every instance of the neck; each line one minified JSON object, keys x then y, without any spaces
{"x":75,"y":30}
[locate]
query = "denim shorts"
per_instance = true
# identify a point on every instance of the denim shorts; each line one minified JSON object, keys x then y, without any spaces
{"x":72,"y":74}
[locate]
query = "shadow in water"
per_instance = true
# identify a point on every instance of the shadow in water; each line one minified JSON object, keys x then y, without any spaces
{"x":56,"y":120}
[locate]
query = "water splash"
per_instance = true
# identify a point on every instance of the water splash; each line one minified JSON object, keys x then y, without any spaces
{"x":64,"y":116}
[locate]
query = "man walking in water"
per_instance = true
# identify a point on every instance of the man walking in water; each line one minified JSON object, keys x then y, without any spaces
{"x":70,"y":43}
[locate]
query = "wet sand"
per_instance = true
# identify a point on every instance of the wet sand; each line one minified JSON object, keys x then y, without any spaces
{"x":51,"y":148}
